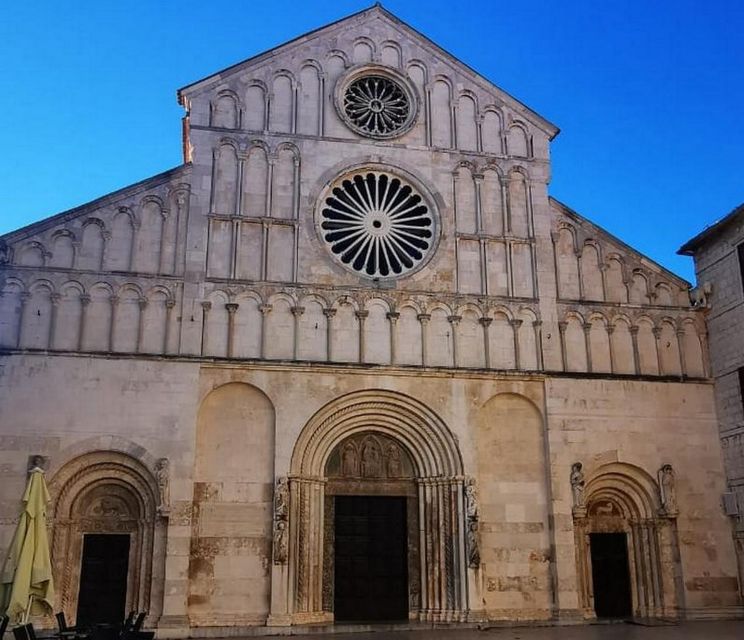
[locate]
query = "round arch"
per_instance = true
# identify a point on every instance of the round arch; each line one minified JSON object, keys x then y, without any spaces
{"x":108,"y":492}
{"x":439,"y":491}
{"x":623,"y":499}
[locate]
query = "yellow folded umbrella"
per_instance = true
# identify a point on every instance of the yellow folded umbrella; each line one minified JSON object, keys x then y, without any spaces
{"x":26,"y":584}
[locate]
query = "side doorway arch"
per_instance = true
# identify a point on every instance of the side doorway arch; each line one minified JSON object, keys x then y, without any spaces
{"x":626,"y":547}
{"x":105,"y":519}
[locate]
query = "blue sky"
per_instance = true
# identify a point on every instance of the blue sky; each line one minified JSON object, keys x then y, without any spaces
{"x":649,"y":96}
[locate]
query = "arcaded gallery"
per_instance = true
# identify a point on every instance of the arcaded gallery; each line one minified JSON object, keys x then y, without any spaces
{"x":350,"y":362}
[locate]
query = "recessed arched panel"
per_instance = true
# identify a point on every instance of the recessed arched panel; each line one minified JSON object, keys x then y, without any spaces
{"x":154,"y":323}
{"x":693,"y":352}
{"x":37,"y":317}
{"x":439,"y":340}
{"x":512,"y":469}
{"x":234,"y":452}
{"x":225,"y":188}
{"x":98,"y":317}
{"x":467,"y":135}
{"x":441,"y":115}
{"x":90,"y":256}
{"x":519,"y":205}
{"x":255,"y":182}
{"x":591,"y":274}
{"x":377,"y":333}
{"x":225,"y":112}
{"x":308,"y":113}
{"x":575,"y":341}
{"x":149,"y":238}
{"x":469,"y":336}
{"x":63,"y":253}
{"x":648,"y":358}
{"x":599,"y":345}
{"x":617,"y":291}
{"x":119,"y":250}
{"x":283,"y":189}
{"x":280,"y":330}
{"x":281,"y":105}
{"x":622,"y":347}
{"x":255,"y":108}
{"x":501,"y":345}
{"x":408,"y":338}
{"x":492,"y":210}
{"x":492,"y":132}
{"x":464,"y":186}
{"x":669,"y":350}
{"x":345,"y":335}
{"x":67,"y":324}
{"x":312,"y":340}
{"x":568,"y":266}
{"x":126,"y":321}
{"x":247,"y":328}
{"x":10,"y":313}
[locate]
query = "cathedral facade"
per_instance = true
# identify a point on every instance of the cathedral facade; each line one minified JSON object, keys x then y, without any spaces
{"x":350,"y":362}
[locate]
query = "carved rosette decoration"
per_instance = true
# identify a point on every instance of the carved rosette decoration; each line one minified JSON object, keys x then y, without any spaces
{"x":376,"y":223}
{"x":281,"y":521}
{"x":376,"y":102}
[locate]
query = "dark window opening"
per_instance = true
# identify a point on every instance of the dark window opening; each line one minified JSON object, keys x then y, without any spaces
{"x":740,"y":252}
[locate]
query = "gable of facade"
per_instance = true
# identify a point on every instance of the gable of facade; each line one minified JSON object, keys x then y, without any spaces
{"x":327,"y":302}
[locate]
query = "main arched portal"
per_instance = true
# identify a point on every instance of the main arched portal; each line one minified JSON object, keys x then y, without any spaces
{"x":385,"y":445}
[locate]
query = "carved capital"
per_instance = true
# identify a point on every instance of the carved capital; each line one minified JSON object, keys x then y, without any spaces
{"x":362,"y":314}
{"x":265,"y":308}
{"x":231,"y":307}
{"x":485,"y":322}
{"x":393,"y":316}
{"x":516,"y":323}
{"x":329,"y":313}
{"x":634,"y":330}
{"x":114,"y":300}
{"x":297,"y":311}
{"x":562,"y":326}
{"x":55,"y":298}
{"x":537,"y":324}
{"x":423,"y":317}
{"x":85,"y":299}
{"x":170,"y":303}
{"x":454,"y":319}
{"x":206,"y":305}
{"x":657,"y":332}
{"x":587,"y":327}
{"x":142,"y":302}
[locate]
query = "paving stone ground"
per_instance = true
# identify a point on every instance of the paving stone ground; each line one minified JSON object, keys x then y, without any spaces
{"x":730,"y":630}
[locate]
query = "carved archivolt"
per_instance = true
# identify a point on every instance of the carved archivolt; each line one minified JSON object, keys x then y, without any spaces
{"x":381,"y":437}
{"x":622,"y":498}
{"x":108,"y":492}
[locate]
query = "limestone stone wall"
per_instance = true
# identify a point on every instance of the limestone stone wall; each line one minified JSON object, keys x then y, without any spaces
{"x":229,"y":430}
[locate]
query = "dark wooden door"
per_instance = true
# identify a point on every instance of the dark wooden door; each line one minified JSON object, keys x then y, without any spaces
{"x":103,"y":579}
{"x":371,"y":581}
{"x":611,"y":575}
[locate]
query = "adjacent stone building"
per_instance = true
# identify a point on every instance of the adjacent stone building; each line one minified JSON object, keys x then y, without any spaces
{"x":719,"y":264}
{"x":350,"y":361}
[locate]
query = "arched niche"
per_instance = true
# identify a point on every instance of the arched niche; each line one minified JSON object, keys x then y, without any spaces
{"x":429,"y":450}
{"x":624,"y":499}
{"x":108,"y":492}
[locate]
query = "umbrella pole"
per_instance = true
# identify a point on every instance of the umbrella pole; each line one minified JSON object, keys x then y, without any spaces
{"x":27,"y":613}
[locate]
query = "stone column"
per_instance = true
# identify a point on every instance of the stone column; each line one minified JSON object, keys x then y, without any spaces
{"x":587,"y":327}
{"x":454,"y":323}
{"x":169,"y":304}
{"x":329,"y":314}
{"x":537,"y":326}
{"x":424,"y":320}
{"x":515,"y":324}
{"x":112,"y":327}
{"x":485,"y":323}
{"x":297,"y":314}
{"x":206,"y":308}
{"x":84,"y":302}
{"x":231,"y":308}
{"x":393,"y":316}
{"x":636,"y":353}
{"x":362,"y":316}
{"x":562,"y":331}
{"x":657,"y":340}
{"x":681,"y":351}
{"x":265,"y":309}
{"x":54,"y":299}
{"x":610,"y":331}
{"x":142,"y":304}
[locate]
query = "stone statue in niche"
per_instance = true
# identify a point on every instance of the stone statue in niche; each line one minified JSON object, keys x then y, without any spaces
{"x":161,"y":475}
{"x":577,"y":485}
{"x":280,"y":542}
{"x":349,"y":461}
{"x":668,"y":490}
{"x":370,"y":461}
{"x":394,"y":466}
{"x":474,"y":559}
{"x":281,"y":499}
{"x":471,"y":499}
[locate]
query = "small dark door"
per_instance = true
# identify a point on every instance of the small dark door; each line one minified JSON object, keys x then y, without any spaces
{"x":103,"y":579}
{"x":371,"y":581}
{"x":611,"y":575}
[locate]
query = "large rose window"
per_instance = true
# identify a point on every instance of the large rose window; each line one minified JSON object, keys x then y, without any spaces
{"x":377,"y":224}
